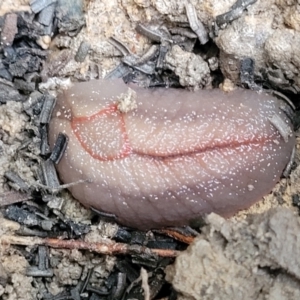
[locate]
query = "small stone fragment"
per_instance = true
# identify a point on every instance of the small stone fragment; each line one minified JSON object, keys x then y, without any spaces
{"x":192,"y":70}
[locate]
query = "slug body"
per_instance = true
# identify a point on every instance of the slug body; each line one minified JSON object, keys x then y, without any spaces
{"x":176,"y":156}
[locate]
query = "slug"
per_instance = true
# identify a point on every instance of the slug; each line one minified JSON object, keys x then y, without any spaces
{"x":164,"y":157}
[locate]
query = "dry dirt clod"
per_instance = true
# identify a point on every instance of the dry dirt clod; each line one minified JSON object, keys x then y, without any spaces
{"x":238,"y":259}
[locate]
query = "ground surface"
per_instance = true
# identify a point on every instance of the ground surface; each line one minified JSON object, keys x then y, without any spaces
{"x":257,"y":249}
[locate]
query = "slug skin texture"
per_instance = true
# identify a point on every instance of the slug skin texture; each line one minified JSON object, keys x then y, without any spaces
{"x":177,"y":156}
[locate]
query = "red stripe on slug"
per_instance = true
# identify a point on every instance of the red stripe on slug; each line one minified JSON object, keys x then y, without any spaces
{"x":126,"y":148}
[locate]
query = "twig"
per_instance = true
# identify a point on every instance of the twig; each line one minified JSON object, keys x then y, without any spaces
{"x":104,"y":247}
{"x":187,"y":239}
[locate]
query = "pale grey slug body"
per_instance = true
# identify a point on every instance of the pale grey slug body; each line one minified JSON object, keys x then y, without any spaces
{"x":176,"y":156}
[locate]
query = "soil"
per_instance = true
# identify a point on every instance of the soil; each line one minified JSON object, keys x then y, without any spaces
{"x":253,"y":255}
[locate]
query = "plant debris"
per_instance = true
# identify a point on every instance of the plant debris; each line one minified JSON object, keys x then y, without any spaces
{"x":52,"y":247}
